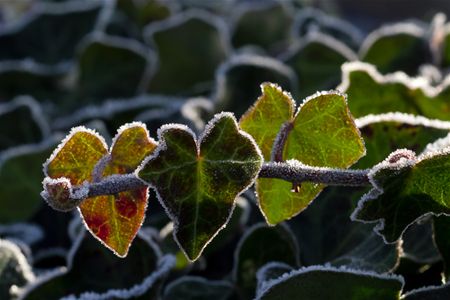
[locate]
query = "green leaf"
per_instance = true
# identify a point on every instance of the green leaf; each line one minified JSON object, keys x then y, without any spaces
{"x":265,"y":118}
{"x":322,"y":134}
{"x":116,"y":219}
{"x":30,"y":125}
{"x":94,"y":270}
{"x":197,"y":288}
{"x":418,"y":244}
{"x":441,"y":226}
{"x":130,"y":17}
{"x":392,"y":93}
{"x":38,"y":81}
{"x":239,"y":79}
{"x":271,"y":270}
{"x":50,"y":35}
{"x":201,"y":178}
{"x":263,"y":24}
{"x":309,"y":20}
{"x":103,"y":64}
{"x":331,"y":236}
{"x":112,"y":219}
{"x":406,"y":189}
{"x":429,"y":293}
{"x":317,"y":61}
{"x":21,"y":177}
{"x":76,"y":156}
{"x":318,"y":282}
{"x":388,"y":132}
{"x":271,"y":244}
{"x":184,"y":43}
{"x":398,"y":47}
{"x":15,"y":271}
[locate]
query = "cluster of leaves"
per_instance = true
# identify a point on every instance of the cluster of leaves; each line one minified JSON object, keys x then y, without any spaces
{"x":63,"y":63}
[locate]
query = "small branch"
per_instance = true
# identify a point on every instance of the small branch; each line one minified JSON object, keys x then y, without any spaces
{"x":297,"y":172}
{"x":280,"y":141}
{"x":291,"y":171}
{"x":65,"y":199}
{"x":114,"y":184}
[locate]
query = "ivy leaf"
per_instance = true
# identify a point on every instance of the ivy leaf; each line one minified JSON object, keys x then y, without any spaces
{"x":317,"y":61}
{"x":76,"y":156}
{"x":429,"y":293}
{"x":392,"y":93}
{"x":385,"y":133}
{"x":272,"y":244}
{"x":100,"y":74}
{"x":441,"y":226}
{"x":38,"y":81}
{"x":184,"y":43}
{"x":322,"y":133}
{"x":332,"y":238}
{"x":197,"y":288}
{"x":15,"y":271}
{"x":238,"y":80}
{"x":418,"y":244}
{"x":406,"y":189}
{"x":94,"y":272}
{"x":21,"y":176}
{"x":309,"y":20}
{"x":396,"y":47}
{"x":30,"y":127}
{"x":265,"y":118}
{"x":50,"y":34}
{"x":195,"y":179}
{"x":130,"y":17}
{"x":271,"y":35}
{"x":318,"y":282}
{"x":113,"y":219}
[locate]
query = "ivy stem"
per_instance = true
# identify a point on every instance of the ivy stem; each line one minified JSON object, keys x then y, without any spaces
{"x":289,"y":171}
{"x":295,"y":172}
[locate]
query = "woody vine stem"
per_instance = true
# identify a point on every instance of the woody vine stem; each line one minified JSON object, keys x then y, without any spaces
{"x":292,"y":171}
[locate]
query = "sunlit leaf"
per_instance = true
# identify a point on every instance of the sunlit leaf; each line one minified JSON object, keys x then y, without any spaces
{"x":322,"y":133}
{"x":115,"y":219}
{"x":406,"y":189}
{"x":392,"y":93}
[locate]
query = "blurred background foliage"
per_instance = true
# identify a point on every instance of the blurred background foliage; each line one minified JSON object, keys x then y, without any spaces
{"x":103,"y":63}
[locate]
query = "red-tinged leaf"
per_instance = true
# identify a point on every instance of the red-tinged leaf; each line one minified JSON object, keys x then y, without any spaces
{"x":112,"y":219}
{"x":116,"y":219}
{"x":76,"y":156}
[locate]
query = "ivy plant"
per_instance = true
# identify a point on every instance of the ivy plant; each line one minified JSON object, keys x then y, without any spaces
{"x":237,"y":150}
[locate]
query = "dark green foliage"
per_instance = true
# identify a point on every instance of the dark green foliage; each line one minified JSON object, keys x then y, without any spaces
{"x":103,"y":64}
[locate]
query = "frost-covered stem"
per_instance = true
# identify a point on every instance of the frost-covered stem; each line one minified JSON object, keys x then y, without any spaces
{"x":114,"y":184}
{"x":296,"y":172}
{"x":280,"y":141}
{"x":289,"y":171}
